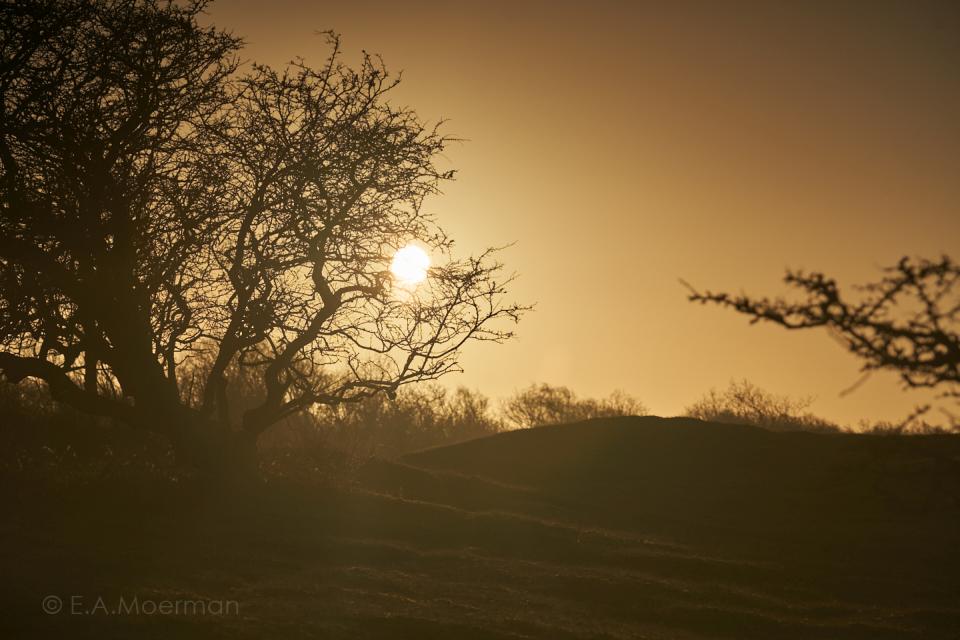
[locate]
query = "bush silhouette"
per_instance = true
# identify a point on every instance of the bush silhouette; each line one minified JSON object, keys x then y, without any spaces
{"x":744,"y":403}
{"x":544,"y":404}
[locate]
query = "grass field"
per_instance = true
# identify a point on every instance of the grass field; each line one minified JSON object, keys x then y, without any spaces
{"x":621,"y":528}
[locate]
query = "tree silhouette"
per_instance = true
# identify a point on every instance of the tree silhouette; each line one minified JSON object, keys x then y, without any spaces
{"x":907,"y":322}
{"x":164,"y":207}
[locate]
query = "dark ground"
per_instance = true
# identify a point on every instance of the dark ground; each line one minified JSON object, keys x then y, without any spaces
{"x":623,"y":528}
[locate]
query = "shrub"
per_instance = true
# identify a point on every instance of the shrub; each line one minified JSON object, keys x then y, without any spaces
{"x":544,"y":404}
{"x":745,"y":403}
{"x":418,"y":417}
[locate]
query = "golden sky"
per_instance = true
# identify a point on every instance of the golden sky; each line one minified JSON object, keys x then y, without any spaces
{"x":624,"y":145}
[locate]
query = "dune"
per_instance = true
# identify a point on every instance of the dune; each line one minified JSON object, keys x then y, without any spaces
{"x":623,"y":528}
{"x":718,"y":473}
{"x":869,"y":519}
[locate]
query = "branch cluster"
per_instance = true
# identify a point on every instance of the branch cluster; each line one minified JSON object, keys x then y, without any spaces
{"x":907,"y":322}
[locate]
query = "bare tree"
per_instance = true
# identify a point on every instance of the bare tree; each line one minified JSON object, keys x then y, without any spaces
{"x":907,"y":322}
{"x":162,"y":206}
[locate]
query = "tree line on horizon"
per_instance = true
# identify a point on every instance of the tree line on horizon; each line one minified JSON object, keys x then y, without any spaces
{"x":42,"y":435}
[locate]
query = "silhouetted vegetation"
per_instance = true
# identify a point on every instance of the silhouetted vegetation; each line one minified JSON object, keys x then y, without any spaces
{"x":42,"y":435}
{"x":164,"y":206}
{"x":744,"y":403}
{"x":544,"y":404}
{"x":419,"y":417}
{"x":907,"y":322}
{"x":44,"y":439}
{"x":327,"y":444}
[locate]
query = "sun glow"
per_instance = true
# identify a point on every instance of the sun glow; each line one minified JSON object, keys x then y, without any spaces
{"x":410,"y":266}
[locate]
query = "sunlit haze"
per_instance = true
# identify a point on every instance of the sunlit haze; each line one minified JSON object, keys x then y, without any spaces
{"x":623,"y":146}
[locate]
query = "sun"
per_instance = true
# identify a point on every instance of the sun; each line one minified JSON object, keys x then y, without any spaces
{"x":410,"y":265}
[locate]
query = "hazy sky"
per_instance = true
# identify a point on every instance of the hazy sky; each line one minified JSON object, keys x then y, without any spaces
{"x":625,"y":145}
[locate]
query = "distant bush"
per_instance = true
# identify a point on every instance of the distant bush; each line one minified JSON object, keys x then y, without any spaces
{"x":914,"y":424}
{"x":430,"y":415}
{"x":544,"y":404}
{"x":417,"y":418}
{"x":745,"y":403}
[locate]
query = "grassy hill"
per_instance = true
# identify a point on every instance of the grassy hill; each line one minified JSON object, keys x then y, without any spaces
{"x":620,"y":528}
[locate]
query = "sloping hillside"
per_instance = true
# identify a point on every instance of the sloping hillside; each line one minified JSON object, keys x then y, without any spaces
{"x":627,"y":528}
{"x":641,"y":472}
{"x":874,"y":519}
